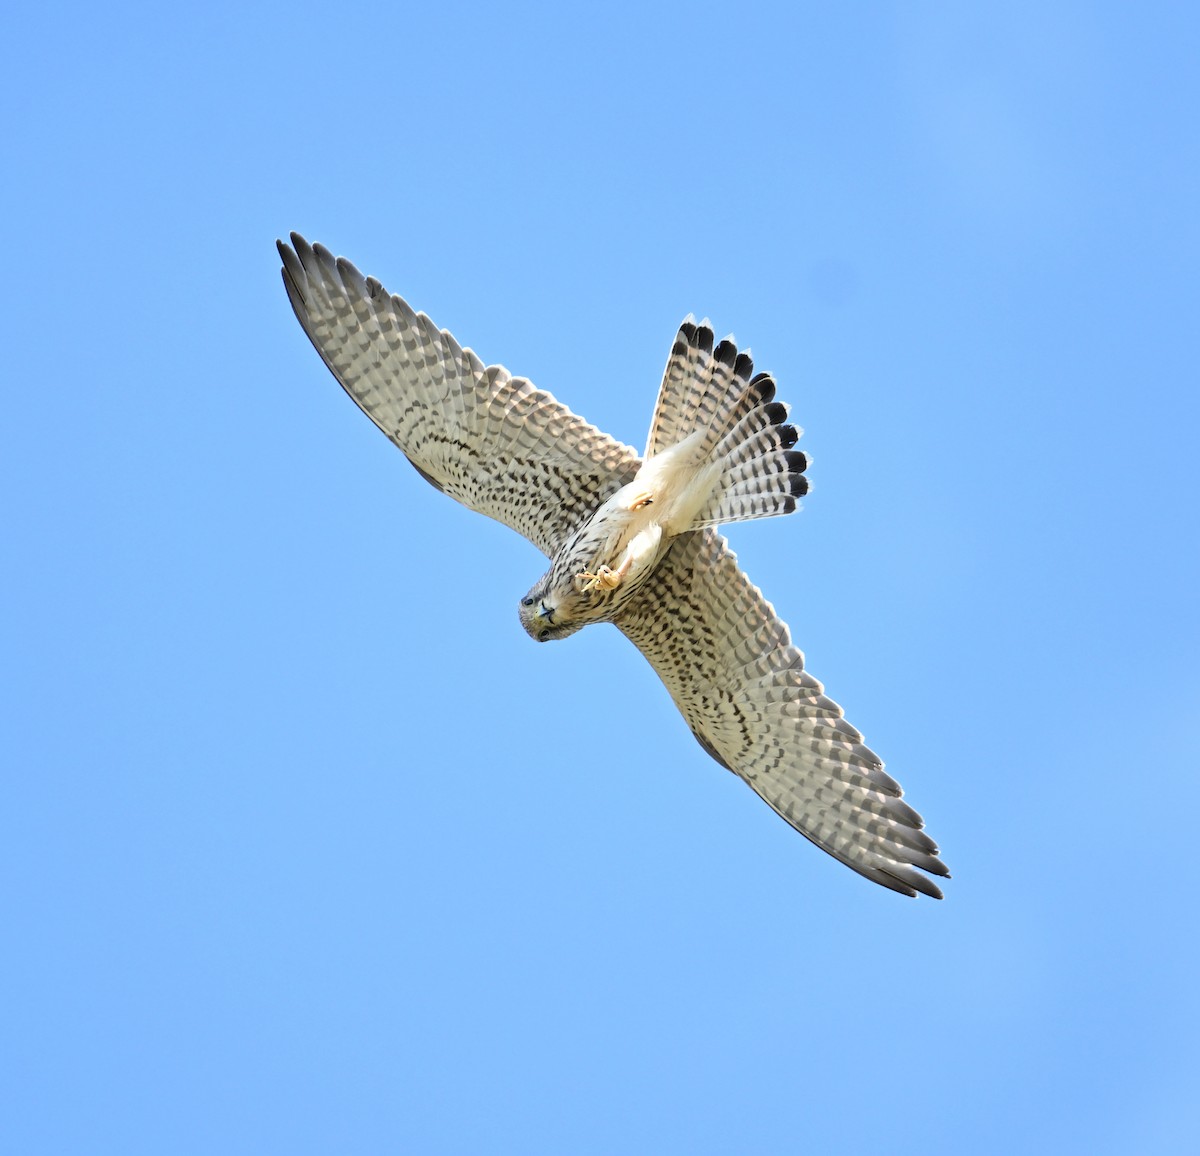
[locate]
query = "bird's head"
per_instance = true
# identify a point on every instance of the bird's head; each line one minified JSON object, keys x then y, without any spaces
{"x":543,"y":617}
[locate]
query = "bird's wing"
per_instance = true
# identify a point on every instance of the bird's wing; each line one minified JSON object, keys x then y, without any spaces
{"x":731,"y":668}
{"x":490,"y":440}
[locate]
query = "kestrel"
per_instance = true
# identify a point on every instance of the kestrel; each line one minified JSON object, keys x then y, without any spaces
{"x":631,"y":540}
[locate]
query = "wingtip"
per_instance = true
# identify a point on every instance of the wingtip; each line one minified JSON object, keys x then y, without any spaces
{"x":912,"y":876}
{"x":294,"y":277}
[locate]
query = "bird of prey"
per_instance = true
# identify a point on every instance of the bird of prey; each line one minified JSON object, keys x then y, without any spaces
{"x":631,"y":540}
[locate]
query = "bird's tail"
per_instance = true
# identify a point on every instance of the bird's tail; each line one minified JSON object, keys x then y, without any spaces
{"x":742,"y":431}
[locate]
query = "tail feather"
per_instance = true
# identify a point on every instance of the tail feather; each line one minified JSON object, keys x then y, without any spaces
{"x":711,"y":390}
{"x":703,"y":387}
{"x":762,"y":429}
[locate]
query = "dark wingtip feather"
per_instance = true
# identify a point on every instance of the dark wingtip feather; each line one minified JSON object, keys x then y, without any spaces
{"x":923,"y":885}
{"x":744,"y":366}
{"x":899,"y":810}
{"x":788,"y":436}
{"x":797,"y":461}
{"x":293,"y":268}
{"x":776,"y":412}
{"x":704,"y":338}
{"x":726,"y":353}
{"x":348,"y":270}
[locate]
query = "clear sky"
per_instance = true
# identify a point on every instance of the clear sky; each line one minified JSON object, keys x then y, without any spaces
{"x":308,"y":849}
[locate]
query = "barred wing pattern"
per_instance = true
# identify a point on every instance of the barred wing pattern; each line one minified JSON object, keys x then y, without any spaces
{"x":729,"y":664}
{"x":490,"y":440}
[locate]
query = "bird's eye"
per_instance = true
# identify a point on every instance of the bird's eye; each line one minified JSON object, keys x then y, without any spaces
{"x":526,"y":601}
{"x":543,"y":635}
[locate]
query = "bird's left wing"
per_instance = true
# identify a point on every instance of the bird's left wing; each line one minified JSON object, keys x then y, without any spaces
{"x":490,"y":440}
{"x":731,"y":668}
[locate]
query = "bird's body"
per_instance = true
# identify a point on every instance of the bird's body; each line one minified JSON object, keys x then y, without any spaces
{"x":604,"y":562}
{"x":573,"y":592}
{"x":631,"y":541}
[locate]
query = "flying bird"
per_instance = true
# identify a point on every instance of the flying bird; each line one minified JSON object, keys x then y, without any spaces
{"x":631,"y":540}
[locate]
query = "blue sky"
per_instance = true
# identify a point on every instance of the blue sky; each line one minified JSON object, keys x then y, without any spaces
{"x":307,"y":848}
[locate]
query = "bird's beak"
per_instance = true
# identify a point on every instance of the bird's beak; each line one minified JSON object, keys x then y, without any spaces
{"x":545,"y":611}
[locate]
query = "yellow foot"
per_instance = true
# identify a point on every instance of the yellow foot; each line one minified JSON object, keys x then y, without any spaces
{"x":603,"y":579}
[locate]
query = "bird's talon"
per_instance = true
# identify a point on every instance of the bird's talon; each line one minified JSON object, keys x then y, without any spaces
{"x":603,"y":579}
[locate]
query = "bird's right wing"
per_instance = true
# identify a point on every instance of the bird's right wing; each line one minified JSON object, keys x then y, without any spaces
{"x":490,"y":440}
{"x":731,"y":668}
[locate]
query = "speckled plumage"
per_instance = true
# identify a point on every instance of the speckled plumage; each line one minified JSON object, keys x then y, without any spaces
{"x":508,"y":450}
